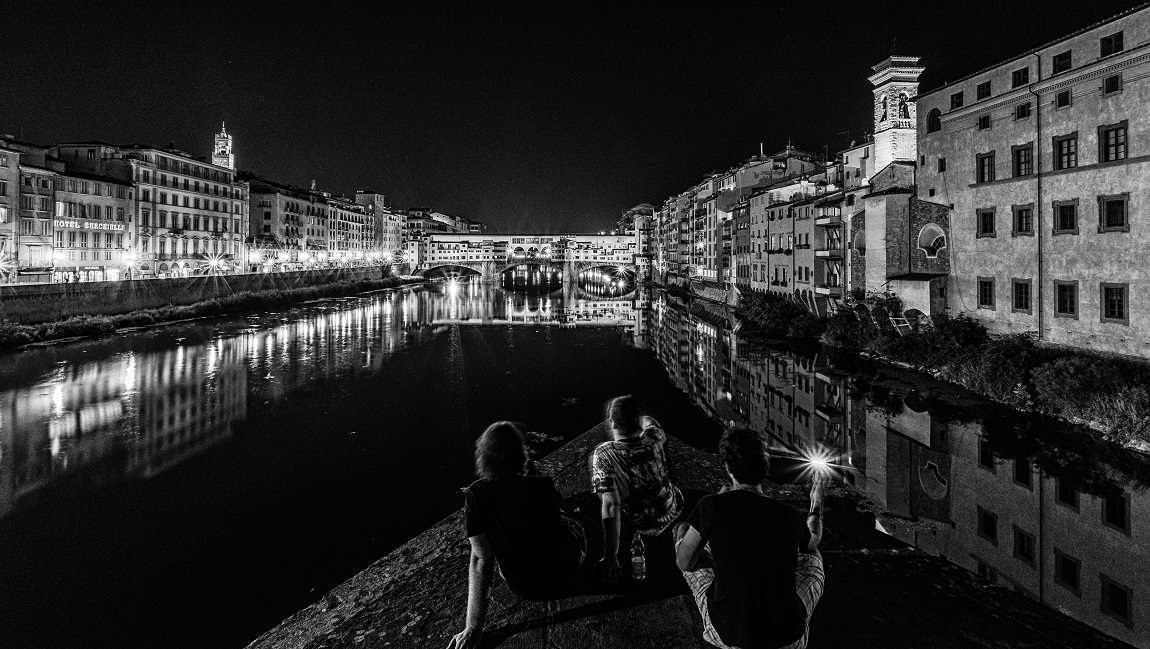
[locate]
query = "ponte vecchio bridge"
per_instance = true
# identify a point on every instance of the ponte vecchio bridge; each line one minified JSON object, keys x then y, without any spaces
{"x":491,"y":255}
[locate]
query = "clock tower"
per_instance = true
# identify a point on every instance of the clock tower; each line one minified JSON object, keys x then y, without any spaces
{"x":895,"y":88}
{"x":222,"y":155}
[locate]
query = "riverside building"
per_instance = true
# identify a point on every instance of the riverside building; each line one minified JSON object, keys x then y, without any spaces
{"x":27,"y":191}
{"x":1042,"y":161}
{"x":297,"y":229}
{"x":189,"y":216}
{"x":91,"y":228}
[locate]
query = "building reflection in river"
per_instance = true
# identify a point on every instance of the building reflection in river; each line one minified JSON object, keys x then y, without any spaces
{"x":132,"y":415}
{"x":1074,"y":538}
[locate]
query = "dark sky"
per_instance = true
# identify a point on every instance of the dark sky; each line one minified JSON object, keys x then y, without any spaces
{"x":532,"y":118}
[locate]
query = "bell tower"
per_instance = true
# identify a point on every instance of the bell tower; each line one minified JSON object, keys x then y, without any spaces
{"x":222,"y":155}
{"x":895,"y":83}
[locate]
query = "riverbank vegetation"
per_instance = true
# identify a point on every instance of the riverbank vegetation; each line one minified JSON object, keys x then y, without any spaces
{"x":1109,"y":392}
{"x":778,"y":317}
{"x":15,"y":335}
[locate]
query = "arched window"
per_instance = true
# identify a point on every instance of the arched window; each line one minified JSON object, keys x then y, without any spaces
{"x":931,"y":239}
{"x":933,"y":121}
{"x":859,"y":243}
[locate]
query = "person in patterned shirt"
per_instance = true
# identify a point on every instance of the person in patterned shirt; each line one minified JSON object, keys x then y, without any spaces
{"x":629,"y":473}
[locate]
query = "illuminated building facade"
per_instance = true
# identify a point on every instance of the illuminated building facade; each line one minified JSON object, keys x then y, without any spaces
{"x":1040,"y":161}
{"x":190,"y":217}
{"x":91,"y":227}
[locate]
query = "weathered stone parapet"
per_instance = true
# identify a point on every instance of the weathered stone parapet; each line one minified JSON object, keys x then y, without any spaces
{"x":879,"y":592}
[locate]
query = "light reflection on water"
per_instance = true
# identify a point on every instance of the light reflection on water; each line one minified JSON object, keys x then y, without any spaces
{"x":1028,"y":503}
{"x":968,"y":483}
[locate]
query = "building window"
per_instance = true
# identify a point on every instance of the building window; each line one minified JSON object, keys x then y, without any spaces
{"x":1022,"y":111}
{"x":1066,"y":217}
{"x":1117,"y":600}
{"x":1024,"y":544}
{"x":1066,"y":299}
{"x":934,"y":121}
{"x":941,"y":165}
{"x":1066,"y":151}
{"x":1065,"y":493}
{"x":1020,"y":302}
{"x":1112,"y":142}
{"x":1023,"y":160}
{"x":982,"y":91}
{"x":985,"y":222}
{"x":1060,"y":62}
{"x":988,"y":525}
{"x":984,"y":167}
{"x":1113,"y":213}
{"x":1112,"y":84}
{"x":1114,"y":303}
{"x":1111,"y":44}
{"x":1022,"y":472}
{"x":1066,"y":569}
{"x":1116,"y":509}
{"x":956,"y":101}
{"x":1062,"y":99}
{"x":983,"y":122}
{"x":1020,"y":77}
{"x":1023,"y":220}
{"x":986,"y":293}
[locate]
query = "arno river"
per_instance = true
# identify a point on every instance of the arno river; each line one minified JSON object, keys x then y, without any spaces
{"x":194,"y":484}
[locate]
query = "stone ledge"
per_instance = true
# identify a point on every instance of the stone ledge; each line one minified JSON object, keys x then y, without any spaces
{"x":879,"y":591}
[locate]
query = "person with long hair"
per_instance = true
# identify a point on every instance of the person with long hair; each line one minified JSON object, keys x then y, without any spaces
{"x":755,"y":580}
{"x":629,"y":472}
{"x":514,"y":519}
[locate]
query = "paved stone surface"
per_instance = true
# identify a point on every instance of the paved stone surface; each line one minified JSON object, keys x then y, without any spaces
{"x":879,"y":592}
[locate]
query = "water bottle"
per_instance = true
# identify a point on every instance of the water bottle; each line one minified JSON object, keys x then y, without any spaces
{"x":638,"y":561}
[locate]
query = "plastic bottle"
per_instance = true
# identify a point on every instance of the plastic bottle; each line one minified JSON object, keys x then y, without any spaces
{"x":638,"y":560}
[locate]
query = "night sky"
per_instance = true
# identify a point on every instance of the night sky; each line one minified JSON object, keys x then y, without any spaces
{"x":531,"y":119}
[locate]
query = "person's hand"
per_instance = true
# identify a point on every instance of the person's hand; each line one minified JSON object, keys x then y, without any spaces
{"x":608,"y":568}
{"x":466,"y":639}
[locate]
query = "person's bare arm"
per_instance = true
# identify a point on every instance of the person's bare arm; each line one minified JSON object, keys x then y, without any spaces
{"x":612,"y":515}
{"x":688,"y":546}
{"x":480,"y":570}
{"x":815,"y":516}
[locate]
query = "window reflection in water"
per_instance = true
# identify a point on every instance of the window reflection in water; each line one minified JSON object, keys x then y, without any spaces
{"x":1031,"y":504}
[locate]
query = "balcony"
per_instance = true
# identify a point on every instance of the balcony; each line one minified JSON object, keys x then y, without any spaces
{"x":830,"y":290}
{"x":829,"y":253}
{"x":832,"y":221}
{"x":831,"y":412}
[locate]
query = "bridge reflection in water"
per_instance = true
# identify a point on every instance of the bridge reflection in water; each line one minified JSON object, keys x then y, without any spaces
{"x":1026,"y":502}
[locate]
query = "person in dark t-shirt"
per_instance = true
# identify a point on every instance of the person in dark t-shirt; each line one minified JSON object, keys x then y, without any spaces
{"x":514,"y":519}
{"x":755,"y":580}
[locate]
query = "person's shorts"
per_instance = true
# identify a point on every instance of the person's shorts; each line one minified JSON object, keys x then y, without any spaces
{"x":809,"y":582}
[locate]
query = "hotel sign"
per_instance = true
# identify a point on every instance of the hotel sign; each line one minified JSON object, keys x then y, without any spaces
{"x":88,"y":225}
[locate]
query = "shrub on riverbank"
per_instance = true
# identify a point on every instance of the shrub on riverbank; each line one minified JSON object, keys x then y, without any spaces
{"x":778,"y":317}
{"x":1111,"y":392}
{"x":14,"y":335}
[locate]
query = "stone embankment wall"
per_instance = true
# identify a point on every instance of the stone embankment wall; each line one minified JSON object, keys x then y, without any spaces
{"x":879,"y":592}
{"x":32,"y":303}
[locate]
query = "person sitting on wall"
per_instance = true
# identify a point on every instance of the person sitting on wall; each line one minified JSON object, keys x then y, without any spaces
{"x":756,"y":582}
{"x":514,"y":519}
{"x":629,"y":473}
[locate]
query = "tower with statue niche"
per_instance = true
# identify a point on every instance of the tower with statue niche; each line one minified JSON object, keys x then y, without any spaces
{"x":222,"y":155}
{"x":895,"y":83}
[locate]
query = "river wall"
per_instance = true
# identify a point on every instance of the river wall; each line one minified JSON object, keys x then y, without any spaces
{"x":32,"y":303}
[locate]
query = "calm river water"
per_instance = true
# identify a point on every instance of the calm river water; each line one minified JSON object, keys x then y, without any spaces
{"x":194,"y":484}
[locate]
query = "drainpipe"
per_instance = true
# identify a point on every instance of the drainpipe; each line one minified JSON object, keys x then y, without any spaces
{"x":1038,"y":223}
